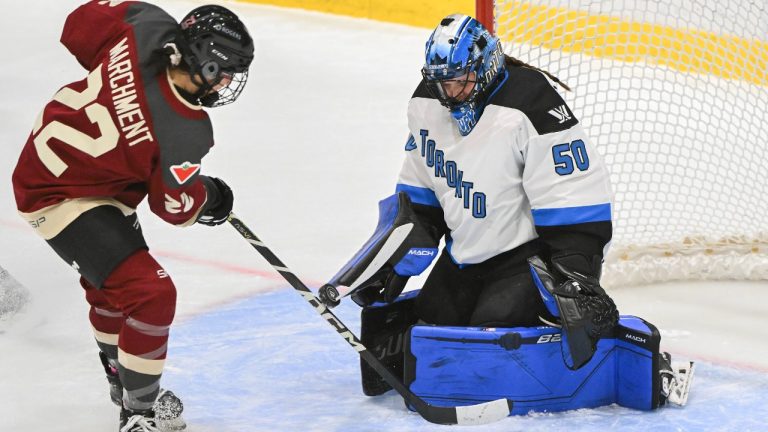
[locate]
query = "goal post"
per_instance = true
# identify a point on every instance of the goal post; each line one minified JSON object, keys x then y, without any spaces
{"x":484,"y":12}
{"x":674,"y":94}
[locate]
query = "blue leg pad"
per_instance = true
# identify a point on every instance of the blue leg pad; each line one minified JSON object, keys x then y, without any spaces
{"x":454,"y":366}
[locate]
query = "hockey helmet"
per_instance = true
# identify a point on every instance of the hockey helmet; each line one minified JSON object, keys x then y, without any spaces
{"x":217,"y":48}
{"x":458,"y":46}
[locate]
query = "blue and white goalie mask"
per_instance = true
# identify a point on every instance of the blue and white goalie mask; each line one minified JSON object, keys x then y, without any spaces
{"x":463,"y":64}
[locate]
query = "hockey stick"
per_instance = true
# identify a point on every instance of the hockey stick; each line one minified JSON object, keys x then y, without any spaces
{"x":483,"y":413}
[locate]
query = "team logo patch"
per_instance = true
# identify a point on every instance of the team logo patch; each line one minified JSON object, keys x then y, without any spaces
{"x":175,"y":206}
{"x":561,"y":113}
{"x":183,"y":172}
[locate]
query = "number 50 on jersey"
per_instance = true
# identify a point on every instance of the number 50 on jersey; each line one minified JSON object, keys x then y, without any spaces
{"x":570,"y":155}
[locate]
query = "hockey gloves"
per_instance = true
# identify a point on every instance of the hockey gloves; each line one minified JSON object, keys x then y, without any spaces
{"x":573,"y":293}
{"x":220,"y":200}
{"x":386,"y":289}
{"x":392,"y":279}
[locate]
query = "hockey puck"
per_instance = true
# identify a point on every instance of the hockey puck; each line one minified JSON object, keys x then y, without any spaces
{"x":329,"y":295}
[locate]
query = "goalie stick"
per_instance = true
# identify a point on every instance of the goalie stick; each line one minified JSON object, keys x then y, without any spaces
{"x":478,"y":414}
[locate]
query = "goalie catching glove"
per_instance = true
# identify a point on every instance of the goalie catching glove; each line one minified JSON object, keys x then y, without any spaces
{"x":573,"y":294}
{"x":402,"y":246}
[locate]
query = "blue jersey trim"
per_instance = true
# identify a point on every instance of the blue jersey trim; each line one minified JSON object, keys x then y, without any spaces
{"x":419,"y":195}
{"x":572,"y":215}
{"x":448,"y":247}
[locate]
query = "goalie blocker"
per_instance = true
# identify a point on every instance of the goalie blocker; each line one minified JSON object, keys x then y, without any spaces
{"x":456,"y":366}
{"x":402,"y":246}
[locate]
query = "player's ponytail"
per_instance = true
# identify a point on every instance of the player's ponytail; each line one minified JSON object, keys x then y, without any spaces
{"x":167,"y":57}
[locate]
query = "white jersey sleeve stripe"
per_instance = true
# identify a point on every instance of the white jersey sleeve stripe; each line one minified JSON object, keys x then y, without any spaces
{"x":419,"y":195}
{"x":572,"y":215}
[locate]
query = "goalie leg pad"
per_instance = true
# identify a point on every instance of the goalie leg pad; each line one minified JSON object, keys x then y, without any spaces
{"x":450,"y":366}
{"x":382,"y":329}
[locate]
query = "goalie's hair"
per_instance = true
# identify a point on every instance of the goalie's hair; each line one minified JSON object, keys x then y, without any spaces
{"x":511,"y":61}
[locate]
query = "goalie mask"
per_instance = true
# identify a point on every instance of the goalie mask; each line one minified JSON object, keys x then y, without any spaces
{"x":463,"y":64}
{"x":217,"y":50}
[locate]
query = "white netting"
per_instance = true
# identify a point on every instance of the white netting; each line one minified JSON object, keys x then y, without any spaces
{"x":674,"y":93}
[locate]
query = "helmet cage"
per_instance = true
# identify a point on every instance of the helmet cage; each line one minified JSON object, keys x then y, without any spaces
{"x":213,"y":97}
{"x":436,"y":78}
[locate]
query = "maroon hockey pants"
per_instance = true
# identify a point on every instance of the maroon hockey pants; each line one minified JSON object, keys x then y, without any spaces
{"x":131,"y":316}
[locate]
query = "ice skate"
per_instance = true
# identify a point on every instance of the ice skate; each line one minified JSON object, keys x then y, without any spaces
{"x":168,"y":409}
{"x":165,"y":416}
{"x":138,"y":421}
{"x":676,"y":378}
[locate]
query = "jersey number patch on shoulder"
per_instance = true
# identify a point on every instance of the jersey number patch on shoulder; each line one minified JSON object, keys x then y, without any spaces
{"x":96,"y":113}
{"x":568,"y":155}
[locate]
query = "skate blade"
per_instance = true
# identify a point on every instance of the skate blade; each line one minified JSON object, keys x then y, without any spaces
{"x":684,"y":372}
{"x":172,"y":425}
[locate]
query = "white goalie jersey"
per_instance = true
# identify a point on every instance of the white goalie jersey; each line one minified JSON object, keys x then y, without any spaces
{"x":527,"y":167}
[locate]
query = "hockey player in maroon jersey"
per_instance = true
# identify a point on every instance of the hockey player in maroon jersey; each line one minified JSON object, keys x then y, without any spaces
{"x":133,"y":128}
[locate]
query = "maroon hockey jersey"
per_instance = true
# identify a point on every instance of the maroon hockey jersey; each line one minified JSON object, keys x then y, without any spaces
{"x":124,"y":132}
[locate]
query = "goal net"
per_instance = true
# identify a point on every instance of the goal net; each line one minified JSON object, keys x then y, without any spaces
{"x":674,"y":94}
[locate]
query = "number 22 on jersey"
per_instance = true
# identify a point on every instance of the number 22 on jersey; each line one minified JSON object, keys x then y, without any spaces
{"x":96,"y":113}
